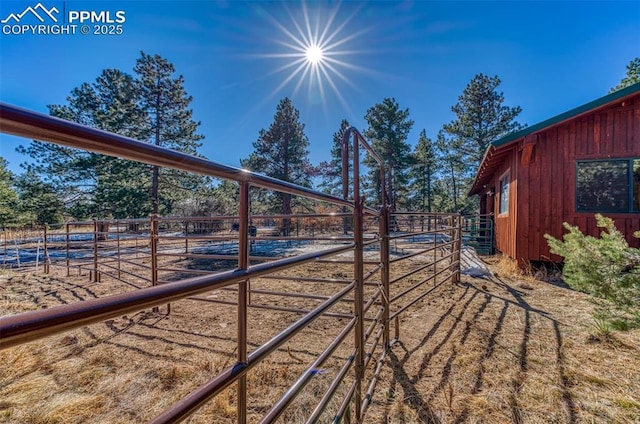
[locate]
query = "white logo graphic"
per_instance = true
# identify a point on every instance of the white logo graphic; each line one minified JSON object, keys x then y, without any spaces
{"x":40,"y":20}
{"x":34,"y":11}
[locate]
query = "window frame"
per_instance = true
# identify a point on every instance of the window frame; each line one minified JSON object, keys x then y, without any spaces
{"x":506,"y":176}
{"x":630,"y":201}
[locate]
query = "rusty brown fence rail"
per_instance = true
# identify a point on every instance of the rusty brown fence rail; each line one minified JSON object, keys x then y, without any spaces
{"x":394,"y":261}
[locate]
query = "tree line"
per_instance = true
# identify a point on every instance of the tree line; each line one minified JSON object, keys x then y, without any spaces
{"x":152,"y":105}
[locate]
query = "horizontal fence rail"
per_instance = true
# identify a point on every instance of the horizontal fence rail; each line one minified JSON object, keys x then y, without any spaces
{"x":357,"y":266}
{"x":32,"y":125}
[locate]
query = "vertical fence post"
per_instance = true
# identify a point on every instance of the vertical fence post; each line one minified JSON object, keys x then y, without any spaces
{"x":4,"y":257}
{"x":186,"y":237}
{"x":154,"y":252}
{"x":358,"y":271}
{"x":386,"y":263}
{"x":243,"y":263}
{"x":94,"y":272}
{"x":453,"y":241}
{"x":250,"y":243}
{"x":44,"y":251}
{"x":66,"y":231}
{"x":459,"y":219}
{"x":435,"y":251}
{"x":118,"y":247}
{"x":15,"y":242}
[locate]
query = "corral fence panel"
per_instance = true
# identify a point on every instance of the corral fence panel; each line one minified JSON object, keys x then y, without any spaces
{"x":364,"y":266}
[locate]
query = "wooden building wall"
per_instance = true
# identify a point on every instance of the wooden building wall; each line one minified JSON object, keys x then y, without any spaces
{"x":547,"y":184}
{"x":505,"y":224}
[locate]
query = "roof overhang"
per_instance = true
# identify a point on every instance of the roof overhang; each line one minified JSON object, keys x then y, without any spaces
{"x":498,"y":149}
{"x":491,"y":161}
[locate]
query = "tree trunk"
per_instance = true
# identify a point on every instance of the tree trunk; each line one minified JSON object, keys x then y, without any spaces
{"x":286,"y":209}
{"x":103,"y":229}
{"x":429,"y":190}
{"x":455,"y":189}
{"x":155,"y":184}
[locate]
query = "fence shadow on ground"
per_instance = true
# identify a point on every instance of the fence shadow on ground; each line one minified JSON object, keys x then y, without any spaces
{"x":482,"y":327}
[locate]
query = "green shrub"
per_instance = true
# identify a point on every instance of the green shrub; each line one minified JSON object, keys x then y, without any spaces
{"x":605,"y":267}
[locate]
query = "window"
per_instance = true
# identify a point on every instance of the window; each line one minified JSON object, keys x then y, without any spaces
{"x":504,"y":194}
{"x":608,"y":186}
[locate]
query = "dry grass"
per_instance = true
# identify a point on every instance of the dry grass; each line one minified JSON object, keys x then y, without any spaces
{"x":510,"y":349}
{"x":501,"y":350}
{"x":132,"y":368}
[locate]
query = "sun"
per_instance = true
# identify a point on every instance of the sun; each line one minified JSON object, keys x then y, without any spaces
{"x":314,"y":46}
{"x":314,"y":54}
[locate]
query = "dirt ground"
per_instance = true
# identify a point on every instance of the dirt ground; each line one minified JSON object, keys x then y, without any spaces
{"x":498,"y":349}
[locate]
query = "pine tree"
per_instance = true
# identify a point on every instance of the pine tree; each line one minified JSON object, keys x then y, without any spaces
{"x":632,"y":77}
{"x":39,"y":201}
{"x":211,"y":200}
{"x":92,"y":186}
{"x":169,"y":124}
{"x":604,"y":266}
{"x":453,"y":173}
{"x":481,"y":119}
{"x":151,"y":106}
{"x":281,"y":152}
{"x":122,"y":186}
{"x":423,"y":173}
{"x":8,"y":196}
{"x":388,"y":131}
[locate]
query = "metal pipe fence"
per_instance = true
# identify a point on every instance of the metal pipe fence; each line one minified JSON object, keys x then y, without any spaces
{"x":478,"y":232}
{"x":366,"y":264}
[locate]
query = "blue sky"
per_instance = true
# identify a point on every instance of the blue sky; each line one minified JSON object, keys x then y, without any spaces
{"x":237,"y":58}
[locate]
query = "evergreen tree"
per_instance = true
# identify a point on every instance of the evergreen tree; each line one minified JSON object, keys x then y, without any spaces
{"x":605,"y":267}
{"x":281,"y":152}
{"x":632,"y":77}
{"x":442,"y":193}
{"x":454,"y":174}
{"x":169,"y":124}
{"x":226,"y":197}
{"x":481,"y":119}
{"x":151,"y":107}
{"x":423,"y":173}
{"x":212,"y":200}
{"x":39,"y":201}
{"x":8,"y":196}
{"x":97,"y":185}
{"x":388,"y":130}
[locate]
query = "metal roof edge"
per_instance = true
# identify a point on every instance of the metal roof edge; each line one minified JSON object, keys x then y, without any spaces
{"x":475,"y":190}
{"x":602,"y":101}
{"x":587,"y":107}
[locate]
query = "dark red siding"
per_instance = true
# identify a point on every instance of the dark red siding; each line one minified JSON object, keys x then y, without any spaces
{"x":545,"y":187}
{"x":505,"y":228}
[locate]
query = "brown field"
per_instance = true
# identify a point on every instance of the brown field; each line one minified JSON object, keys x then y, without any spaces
{"x":510,"y":349}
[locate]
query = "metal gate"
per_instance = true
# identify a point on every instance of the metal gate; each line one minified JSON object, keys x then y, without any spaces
{"x":477,"y":232}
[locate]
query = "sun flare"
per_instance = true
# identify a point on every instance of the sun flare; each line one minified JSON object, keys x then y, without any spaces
{"x":314,"y":45}
{"x":314,"y":54}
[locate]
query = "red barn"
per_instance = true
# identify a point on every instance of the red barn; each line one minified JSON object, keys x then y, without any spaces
{"x":565,"y":169}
